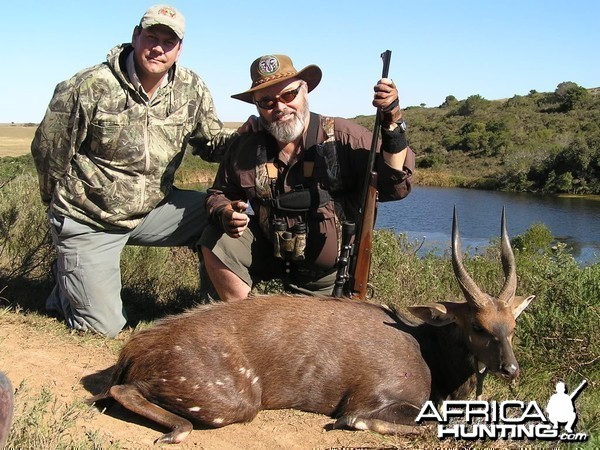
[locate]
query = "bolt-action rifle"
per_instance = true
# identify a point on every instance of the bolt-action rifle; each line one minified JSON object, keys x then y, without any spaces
{"x":354,"y":262}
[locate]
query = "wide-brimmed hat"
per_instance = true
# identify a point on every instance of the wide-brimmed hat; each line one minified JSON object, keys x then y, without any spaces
{"x":271,"y":69}
{"x":164,"y":15}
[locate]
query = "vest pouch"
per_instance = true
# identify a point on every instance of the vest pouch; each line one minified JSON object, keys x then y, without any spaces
{"x":301,"y":200}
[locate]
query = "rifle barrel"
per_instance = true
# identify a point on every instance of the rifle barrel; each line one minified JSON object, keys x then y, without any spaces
{"x":363,"y":220}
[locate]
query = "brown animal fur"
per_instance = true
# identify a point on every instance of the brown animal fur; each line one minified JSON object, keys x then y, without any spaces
{"x":222,"y":363}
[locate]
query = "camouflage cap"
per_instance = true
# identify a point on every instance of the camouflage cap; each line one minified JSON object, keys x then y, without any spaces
{"x":164,"y":15}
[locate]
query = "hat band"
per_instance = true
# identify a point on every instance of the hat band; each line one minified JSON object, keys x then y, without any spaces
{"x":273,"y":77}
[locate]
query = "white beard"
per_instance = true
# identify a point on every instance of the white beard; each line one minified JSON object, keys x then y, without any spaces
{"x":289,"y":131}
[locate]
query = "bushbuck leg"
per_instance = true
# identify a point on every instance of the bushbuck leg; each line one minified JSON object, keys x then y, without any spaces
{"x":132,"y":399}
{"x":390,"y":420}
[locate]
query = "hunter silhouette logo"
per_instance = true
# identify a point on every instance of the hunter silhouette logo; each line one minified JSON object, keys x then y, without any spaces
{"x":561,"y":406}
{"x":510,"y":419}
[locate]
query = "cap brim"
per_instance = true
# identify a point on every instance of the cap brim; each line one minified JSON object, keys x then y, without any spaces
{"x":174,"y":28}
{"x":311,"y":74}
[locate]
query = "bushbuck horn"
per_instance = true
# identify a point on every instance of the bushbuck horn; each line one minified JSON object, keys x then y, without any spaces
{"x":508,"y":264}
{"x":473,"y":294}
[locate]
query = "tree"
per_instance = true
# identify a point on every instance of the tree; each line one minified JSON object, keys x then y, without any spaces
{"x":449,"y":102}
{"x":571,"y":95}
{"x":473,"y":104}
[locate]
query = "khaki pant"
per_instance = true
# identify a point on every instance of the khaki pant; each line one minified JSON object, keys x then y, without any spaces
{"x":88,"y":275}
{"x":251,"y":258}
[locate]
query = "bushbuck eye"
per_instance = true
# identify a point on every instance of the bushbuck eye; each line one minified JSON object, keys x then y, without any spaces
{"x":477,"y":328}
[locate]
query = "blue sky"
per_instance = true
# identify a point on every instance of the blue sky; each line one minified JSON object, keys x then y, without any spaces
{"x":495,"y":49}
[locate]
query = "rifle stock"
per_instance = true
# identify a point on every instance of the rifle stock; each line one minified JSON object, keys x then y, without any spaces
{"x":364,"y":242}
{"x":362,"y":249}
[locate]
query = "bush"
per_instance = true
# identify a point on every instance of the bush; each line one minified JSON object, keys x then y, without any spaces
{"x":25,"y":244}
{"x":536,"y":239}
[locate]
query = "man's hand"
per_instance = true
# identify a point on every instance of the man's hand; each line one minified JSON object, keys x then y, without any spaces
{"x":386,"y":100}
{"x":251,"y":125}
{"x":233,"y":218}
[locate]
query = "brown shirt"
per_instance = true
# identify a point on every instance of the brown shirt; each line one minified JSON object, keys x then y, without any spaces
{"x":242,"y":173}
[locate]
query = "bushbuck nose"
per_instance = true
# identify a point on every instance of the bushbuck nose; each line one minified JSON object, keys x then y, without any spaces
{"x":510,"y":370}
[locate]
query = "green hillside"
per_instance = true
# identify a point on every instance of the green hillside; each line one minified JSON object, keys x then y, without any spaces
{"x":540,"y":142}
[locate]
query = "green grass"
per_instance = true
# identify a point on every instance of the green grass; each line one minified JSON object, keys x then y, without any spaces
{"x":40,"y":422}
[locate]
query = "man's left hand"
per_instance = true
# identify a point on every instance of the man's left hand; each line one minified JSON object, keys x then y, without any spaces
{"x":386,"y":100}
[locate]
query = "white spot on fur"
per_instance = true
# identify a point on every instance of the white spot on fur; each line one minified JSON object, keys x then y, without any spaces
{"x":225,"y":355}
{"x":218,"y":421}
{"x":255,"y":380}
{"x":219,"y":383}
{"x":164,"y":380}
{"x":177,"y":348}
{"x":194,"y":409}
{"x":195,"y":387}
{"x":179,"y":399}
{"x":360,"y":425}
{"x":182,"y":378}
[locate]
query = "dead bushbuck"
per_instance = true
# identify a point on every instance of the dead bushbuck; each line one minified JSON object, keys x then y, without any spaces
{"x":361,"y":363}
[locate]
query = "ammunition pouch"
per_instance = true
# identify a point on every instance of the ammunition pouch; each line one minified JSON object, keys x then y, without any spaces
{"x":300,"y":200}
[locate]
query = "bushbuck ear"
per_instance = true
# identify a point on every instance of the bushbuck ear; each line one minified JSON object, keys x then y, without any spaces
{"x":437,"y":314}
{"x":519,"y":303}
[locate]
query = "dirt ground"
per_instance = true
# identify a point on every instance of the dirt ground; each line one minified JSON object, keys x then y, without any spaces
{"x":74,"y":368}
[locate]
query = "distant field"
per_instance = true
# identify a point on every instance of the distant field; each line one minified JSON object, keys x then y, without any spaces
{"x":15,"y":140}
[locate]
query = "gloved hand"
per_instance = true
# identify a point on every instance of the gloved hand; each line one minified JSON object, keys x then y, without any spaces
{"x":386,"y":100}
{"x":234,"y":220}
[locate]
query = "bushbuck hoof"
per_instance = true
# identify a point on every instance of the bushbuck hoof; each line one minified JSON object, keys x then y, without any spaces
{"x":174,"y":437}
{"x":376,"y":425}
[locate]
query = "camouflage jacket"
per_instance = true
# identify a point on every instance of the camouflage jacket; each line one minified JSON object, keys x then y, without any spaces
{"x":106,"y":156}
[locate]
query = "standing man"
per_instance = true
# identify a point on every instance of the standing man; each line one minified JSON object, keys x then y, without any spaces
{"x":302,"y":175}
{"x":106,"y":154}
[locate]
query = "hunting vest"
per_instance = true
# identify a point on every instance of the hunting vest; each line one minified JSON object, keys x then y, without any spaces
{"x":320,"y":191}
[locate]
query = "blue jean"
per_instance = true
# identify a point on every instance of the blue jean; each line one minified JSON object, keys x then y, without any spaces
{"x":87,"y":292}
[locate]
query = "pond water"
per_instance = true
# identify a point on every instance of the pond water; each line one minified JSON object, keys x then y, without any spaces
{"x":426,"y":215}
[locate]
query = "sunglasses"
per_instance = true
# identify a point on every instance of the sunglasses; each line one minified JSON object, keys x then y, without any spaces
{"x":285,"y":97}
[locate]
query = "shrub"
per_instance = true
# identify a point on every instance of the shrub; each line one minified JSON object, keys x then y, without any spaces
{"x":535,"y":239}
{"x":25,"y":245}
